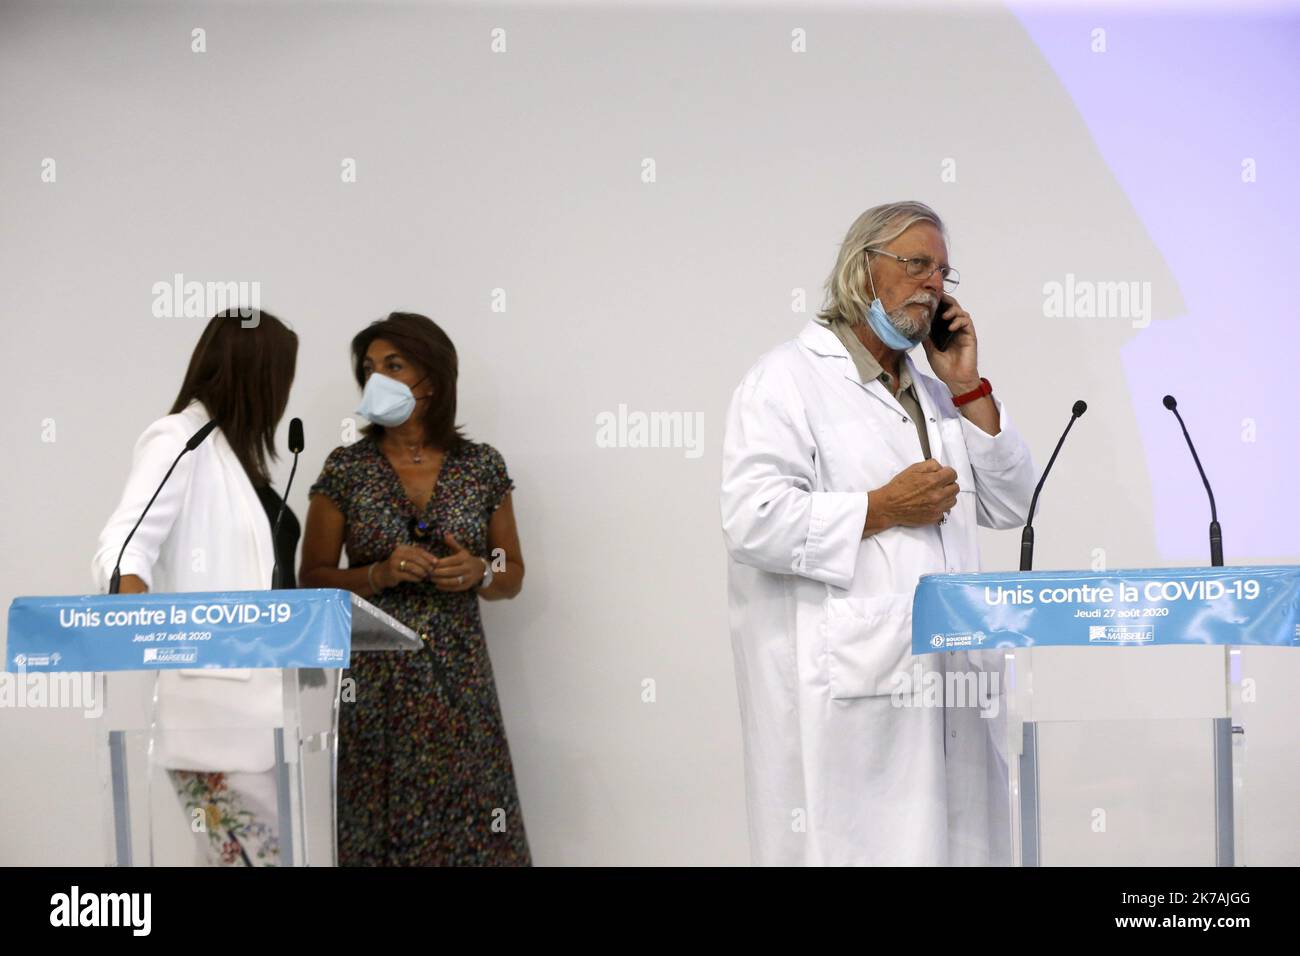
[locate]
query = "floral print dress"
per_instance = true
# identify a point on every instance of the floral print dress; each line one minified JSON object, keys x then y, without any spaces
{"x":234,"y":816}
{"x":424,"y":773}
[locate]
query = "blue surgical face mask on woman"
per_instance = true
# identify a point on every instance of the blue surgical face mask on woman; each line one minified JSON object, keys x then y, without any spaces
{"x":885,"y":330}
{"x":386,"y":401}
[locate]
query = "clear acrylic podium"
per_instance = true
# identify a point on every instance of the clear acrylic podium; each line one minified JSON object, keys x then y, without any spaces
{"x":1138,"y":769}
{"x":297,"y":640}
{"x":1117,"y":737}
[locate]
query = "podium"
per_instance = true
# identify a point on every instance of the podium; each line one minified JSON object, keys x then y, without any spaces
{"x":174,"y":675}
{"x":1116,"y":735}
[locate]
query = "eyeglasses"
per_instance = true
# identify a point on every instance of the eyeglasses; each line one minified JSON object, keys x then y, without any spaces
{"x":922,"y":267}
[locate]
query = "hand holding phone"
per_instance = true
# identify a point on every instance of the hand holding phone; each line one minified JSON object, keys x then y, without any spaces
{"x":940,"y":334}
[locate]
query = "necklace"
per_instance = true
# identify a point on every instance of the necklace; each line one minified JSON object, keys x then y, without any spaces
{"x":414,"y":450}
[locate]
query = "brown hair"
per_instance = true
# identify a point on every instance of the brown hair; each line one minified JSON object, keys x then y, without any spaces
{"x":426,"y":345}
{"x":242,"y":373}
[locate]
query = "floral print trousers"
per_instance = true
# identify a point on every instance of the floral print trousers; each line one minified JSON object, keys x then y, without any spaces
{"x":234,"y":816}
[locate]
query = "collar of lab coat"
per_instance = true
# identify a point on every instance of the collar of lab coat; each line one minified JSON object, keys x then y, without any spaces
{"x":821,"y":341}
{"x":818,"y":338}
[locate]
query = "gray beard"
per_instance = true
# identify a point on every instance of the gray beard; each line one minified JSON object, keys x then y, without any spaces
{"x":909,"y":327}
{"x":901,"y":320}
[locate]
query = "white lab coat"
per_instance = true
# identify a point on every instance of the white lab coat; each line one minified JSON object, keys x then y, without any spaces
{"x":207,"y":531}
{"x":821,"y":617}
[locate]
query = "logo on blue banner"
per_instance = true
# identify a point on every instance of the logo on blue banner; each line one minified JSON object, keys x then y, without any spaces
{"x":171,"y":655}
{"x":1121,"y":634}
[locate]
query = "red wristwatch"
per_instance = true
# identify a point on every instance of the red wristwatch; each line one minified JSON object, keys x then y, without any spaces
{"x":984,"y":389}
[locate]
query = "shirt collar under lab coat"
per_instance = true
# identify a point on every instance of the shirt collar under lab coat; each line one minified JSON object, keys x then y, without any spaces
{"x":821,"y":341}
{"x":818,"y":338}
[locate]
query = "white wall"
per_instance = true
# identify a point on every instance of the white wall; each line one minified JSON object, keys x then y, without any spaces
{"x":522,"y":171}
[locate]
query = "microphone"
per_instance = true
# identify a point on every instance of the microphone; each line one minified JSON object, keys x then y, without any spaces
{"x":295,"y":446}
{"x":1216,"y":536}
{"x":1027,"y":536}
{"x":195,"y":440}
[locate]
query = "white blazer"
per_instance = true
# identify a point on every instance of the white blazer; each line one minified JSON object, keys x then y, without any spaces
{"x":821,"y":617}
{"x":207,"y":531}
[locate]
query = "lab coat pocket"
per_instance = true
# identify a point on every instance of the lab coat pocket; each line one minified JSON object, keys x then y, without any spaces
{"x":868,"y":643}
{"x":849,"y":453}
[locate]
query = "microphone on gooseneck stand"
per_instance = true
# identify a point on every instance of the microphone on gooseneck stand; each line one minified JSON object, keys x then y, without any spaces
{"x":295,"y":446}
{"x":1216,"y":536}
{"x":195,"y":440}
{"x":1027,"y":536}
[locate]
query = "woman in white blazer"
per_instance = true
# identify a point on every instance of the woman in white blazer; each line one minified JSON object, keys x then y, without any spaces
{"x":210,"y":530}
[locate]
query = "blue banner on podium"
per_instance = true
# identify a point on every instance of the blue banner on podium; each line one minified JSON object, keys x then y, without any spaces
{"x":1133,"y":608}
{"x":220,"y":629}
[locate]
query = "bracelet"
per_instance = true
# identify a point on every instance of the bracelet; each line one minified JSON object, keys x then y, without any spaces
{"x":984,"y":389}
{"x":486,"y":580}
{"x":370,"y":579}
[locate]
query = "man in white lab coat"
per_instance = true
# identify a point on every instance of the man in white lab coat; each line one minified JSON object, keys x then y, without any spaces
{"x":847,"y":474}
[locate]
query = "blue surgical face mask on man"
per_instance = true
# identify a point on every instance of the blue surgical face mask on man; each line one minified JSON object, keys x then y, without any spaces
{"x":386,"y":401}
{"x":879,"y":321}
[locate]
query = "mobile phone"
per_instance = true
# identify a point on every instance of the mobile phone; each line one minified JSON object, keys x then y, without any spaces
{"x":423,"y":534}
{"x":940,"y":334}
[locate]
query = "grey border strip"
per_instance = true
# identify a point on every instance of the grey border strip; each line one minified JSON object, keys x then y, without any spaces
{"x":334,"y":768}
{"x":1029,"y":825}
{"x":285,"y":801}
{"x":1224,"y":845}
{"x":121,"y":796}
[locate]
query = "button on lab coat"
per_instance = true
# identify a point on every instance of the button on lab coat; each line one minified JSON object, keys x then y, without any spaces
{"x":821,"y":617}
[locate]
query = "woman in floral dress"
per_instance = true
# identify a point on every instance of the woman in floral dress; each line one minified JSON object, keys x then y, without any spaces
{"x":425,"y":776}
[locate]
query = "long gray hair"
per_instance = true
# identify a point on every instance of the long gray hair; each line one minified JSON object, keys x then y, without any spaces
{"x":846,"y":288}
